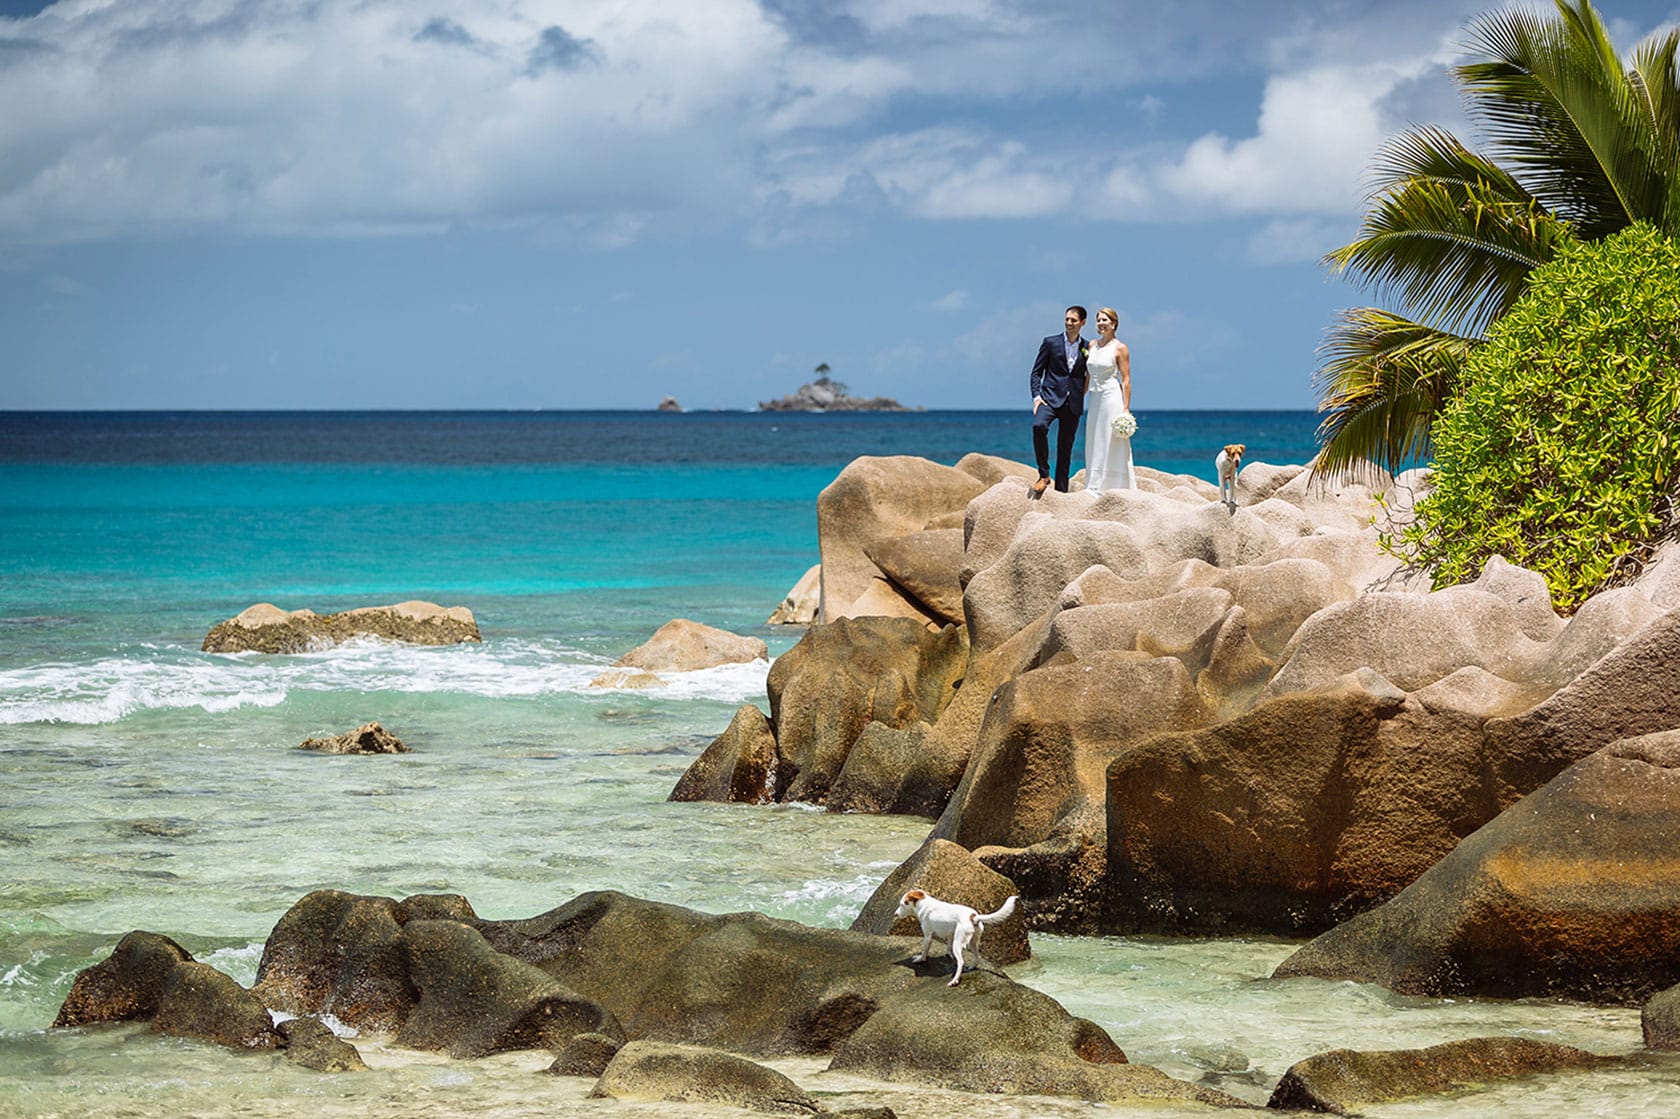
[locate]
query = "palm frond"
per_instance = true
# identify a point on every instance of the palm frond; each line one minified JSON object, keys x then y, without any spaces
{"x":1381,"y":382}
{"x":1654,"y":79}
{"x":1560,"y":110}
{"x":1449,"y":234}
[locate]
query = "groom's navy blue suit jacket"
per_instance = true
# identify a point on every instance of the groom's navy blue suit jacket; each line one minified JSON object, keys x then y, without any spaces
{"x":1052,"y":381}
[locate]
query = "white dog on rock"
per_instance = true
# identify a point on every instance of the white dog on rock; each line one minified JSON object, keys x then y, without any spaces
{"x":1226,"y":464}
{"x":959,"y":926}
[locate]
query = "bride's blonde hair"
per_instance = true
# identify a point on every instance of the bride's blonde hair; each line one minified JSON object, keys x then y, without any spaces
{"x":1113,"y":315}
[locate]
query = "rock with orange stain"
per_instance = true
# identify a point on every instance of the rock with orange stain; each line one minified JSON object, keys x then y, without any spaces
{"x":1573,"y":891}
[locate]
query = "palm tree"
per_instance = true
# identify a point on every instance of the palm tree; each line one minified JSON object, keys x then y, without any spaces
{"x":1579,"y":146}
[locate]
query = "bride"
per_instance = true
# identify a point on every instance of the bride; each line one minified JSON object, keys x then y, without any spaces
{"x":1108,"y":455}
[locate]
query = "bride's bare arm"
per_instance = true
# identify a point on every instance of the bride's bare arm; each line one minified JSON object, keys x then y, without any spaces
{"x":1123,"y":359}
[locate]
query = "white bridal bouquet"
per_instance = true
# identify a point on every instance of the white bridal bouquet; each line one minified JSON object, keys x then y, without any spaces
{"x":1125,"y":425}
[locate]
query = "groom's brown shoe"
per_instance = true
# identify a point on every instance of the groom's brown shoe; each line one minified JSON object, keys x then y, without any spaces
{"x":1040,"y":486}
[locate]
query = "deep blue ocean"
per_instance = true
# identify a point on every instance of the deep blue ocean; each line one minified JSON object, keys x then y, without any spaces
{"x":146,"y":784}
{"x":590,"y":523}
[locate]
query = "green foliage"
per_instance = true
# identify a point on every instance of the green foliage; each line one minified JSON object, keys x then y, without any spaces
{"x":1578,"y":144}
{"x":1561,"y":450}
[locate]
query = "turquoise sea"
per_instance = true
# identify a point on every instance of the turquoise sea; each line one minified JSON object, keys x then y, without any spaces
{"x":149,"y":785}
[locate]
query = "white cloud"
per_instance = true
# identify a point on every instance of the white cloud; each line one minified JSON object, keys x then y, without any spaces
{"x":596,"y":121}
{"x":1316,"y":134}
{"x":951,"y":301}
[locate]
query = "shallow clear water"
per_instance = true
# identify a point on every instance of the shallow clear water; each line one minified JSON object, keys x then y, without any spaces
{"x":149,"y":785}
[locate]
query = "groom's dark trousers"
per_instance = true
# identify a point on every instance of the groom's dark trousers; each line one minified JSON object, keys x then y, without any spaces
{"x":1063,"y":392}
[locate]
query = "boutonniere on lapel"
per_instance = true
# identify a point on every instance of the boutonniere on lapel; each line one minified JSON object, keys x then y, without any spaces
{"x":1085,"y":350}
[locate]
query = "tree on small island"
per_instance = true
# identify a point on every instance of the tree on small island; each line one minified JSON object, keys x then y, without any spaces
{"x":825,"y":394}
{"x":1580,"y":147}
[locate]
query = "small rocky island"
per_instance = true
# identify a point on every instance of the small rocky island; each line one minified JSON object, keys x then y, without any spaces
{"x":828,"y":395}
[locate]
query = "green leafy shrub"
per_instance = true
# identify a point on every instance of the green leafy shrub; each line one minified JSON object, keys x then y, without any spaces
{"x":1562,"y":451}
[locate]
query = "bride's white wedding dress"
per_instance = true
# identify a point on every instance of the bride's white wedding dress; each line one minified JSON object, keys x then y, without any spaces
{"x":1108,"y":457}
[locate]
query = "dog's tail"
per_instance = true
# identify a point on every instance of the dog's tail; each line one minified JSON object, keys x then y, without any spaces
{"x":1004,"y":910}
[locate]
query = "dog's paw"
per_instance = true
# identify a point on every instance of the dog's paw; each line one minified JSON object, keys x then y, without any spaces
{"x":917,"y":958}
{"x":953,"y":981}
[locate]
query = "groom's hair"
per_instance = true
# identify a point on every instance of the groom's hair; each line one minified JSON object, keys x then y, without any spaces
{"x":1081,"y":310}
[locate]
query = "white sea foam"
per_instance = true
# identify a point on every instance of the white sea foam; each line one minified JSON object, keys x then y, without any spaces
{"x":822,"y":889}
{"x":161,"y":678}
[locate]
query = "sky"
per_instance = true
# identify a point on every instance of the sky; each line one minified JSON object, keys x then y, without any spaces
{"x":554,"y":204}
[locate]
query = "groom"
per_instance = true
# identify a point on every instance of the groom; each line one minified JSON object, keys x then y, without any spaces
{"x":1058,"y":388}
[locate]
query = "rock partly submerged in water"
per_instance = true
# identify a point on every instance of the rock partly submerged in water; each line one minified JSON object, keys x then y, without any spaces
{"x":1659,"y":1019}
{"x":604,"y":969}
{"x":662,"y":1072}
{"x":369,"y":738}
{"x":681,"y":645}
{"x":265,"y":628}
{"x":150,"y":978}
{"x":740,"y":765}
{"x":1344,"y":1081}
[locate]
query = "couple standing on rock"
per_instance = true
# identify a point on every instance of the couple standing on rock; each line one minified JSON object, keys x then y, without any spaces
{"x":1067,"y":369}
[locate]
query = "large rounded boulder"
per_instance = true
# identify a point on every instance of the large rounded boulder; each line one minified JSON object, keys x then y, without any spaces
{"x":1573,"y":892}
{"x":1296,"y":815}
{"x":658,"y":1071}
{"x":874,"y":498}
{"x":1031,"y":805}
{"x":681,"y":645}
{"x":943,"y":870}
{"x":846,"y":675}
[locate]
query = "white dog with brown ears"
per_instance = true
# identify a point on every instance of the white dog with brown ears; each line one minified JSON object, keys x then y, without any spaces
{"x":959,"y":926}
{"x":1227,"y":463}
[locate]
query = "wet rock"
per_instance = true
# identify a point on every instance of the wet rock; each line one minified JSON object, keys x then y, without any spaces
{"x":841,"y":677}
{"x":946,"y":871}
{"x":474,"y":1001}
{"x":803,"y":601}
{"x":1296,"y":815}
{"x":1660,"y":1019}
{"x":743,"y":982}
{"x":683,"y":646}
{"x":311,"y":1044}
{"x":369,"y":738}
{"x":150,"y":978}
{"x":651,"y":1070}
{"x":739,"y":766}
{"x":265,"y":628}
{"x":1345,"y":1081}
{"x":873,"y":498}
{"x":989,"y":1035}
{"x":633,"y":678}
{"x":1572,"y":892}
{"x":126,"y":986}
{"x":341,"y":954}
{"x":585,"y":1055}
{"x":199,"y":1001}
